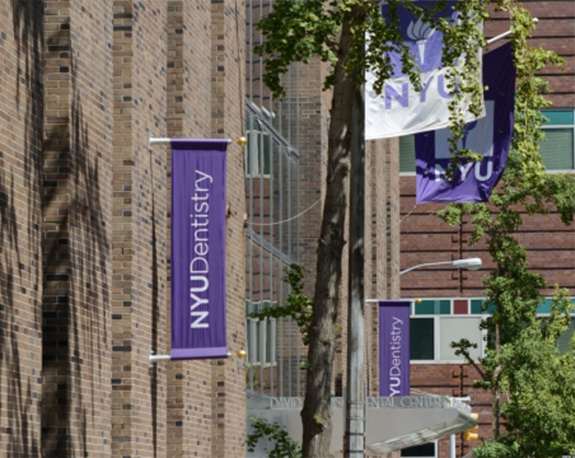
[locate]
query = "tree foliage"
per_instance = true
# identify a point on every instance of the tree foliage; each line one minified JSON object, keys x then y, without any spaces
{"x":298,"y":30}
{"x":530,"y":382}
{"x":297,"y":307}
{"x":284,"y":445}
{"x":535,"y":382}
{"x":353,"y":37}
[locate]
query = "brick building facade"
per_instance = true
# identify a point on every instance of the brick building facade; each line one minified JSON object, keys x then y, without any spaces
{"x":85,"y":223}
{"x":550,"y":244}
{"x":84,"y":281}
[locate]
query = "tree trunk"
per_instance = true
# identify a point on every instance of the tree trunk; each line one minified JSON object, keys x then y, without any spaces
{"x":316,"y":413}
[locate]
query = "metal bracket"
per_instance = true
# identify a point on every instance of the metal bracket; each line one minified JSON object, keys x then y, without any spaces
{"x":152,"y":358}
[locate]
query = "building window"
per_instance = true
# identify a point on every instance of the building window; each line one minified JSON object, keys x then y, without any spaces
{"x":436,"y":323}
{"x":558,"y":152}
{"x":272,"y":188}
{"x":431,"y":337}
{"x":428,"y":450}
{"x":261,"y":337}
{"x":453,"y":329}
{"x":407,"y":154}
{"x":258,"y":149}
{"x":421,"y":339}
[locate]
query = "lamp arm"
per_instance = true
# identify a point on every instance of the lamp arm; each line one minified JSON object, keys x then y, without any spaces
{"x":425,"y":265}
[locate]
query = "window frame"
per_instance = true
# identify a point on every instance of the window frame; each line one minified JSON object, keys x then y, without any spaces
{"x":545,"y":127}
{"x":549,"y":127}
{"x":437,"y":337}
{"x":258,"y":332}
{"x":255,"y":153}
{"x":441,"y":311}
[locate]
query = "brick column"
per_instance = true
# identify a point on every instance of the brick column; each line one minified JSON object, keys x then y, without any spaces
{"x":77,"y":229}
{"x":227,"y":73}
{"x":189,"y":394}
{"x":140,"y":236}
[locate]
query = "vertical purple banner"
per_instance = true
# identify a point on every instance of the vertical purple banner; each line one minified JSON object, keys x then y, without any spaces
{"x":490,"y":136}
{"x":394,"y":348}
{"x":198,"y":248}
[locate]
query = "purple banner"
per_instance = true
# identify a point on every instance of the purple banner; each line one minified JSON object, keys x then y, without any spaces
{"x":198,"y":248}
{"x":490,"y":136}
{"x":394,"y":348}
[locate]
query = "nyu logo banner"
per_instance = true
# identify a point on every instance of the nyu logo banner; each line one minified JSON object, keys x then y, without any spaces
{"x":400,"y":110}
{"x":198,"y":248}
{"x":490,"y":136}
{"x":394,"y":348}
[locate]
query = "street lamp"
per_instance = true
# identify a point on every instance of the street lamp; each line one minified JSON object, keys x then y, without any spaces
{"x":469,"y":264}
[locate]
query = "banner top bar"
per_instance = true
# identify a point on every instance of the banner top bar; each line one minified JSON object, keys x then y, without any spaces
{"x":242,"y":141}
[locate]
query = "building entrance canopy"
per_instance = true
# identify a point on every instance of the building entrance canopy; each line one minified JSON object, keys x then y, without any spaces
{"x":391,"y":423}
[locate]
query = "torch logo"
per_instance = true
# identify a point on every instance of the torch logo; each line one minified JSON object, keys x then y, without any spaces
{"x":420,"y":32}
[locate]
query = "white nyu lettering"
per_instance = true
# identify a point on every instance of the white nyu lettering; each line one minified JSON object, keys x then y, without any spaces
{"x":395,"y":347}
{"x":198,"y":315}
{"x":199,"y":267}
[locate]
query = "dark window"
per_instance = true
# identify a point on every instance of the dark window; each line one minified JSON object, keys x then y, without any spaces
{"x":420,"y":451}
{"x":421,"y":339}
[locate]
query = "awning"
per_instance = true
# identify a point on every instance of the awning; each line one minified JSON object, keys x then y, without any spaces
{"x":391,"y":423}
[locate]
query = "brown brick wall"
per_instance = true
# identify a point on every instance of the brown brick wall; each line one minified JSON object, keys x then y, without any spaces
{"x":228,"y":108}
{"x":189,"y":109}
{"x":84,"y":281}
{"x":140,"y":229}
{"x":425,"y":238}
{"x":21,"y":99}
{"x":554,"y":31}
{"x":382,"y":243}
{"x":76,"y":229}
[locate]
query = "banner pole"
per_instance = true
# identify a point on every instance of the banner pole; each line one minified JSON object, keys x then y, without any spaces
{"x":242,"y":141}
{"x":157,"y":358}
{"x":505,"y":34}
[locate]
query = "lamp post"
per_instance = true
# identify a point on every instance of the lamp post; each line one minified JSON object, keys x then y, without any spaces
{"x":468,"y":263}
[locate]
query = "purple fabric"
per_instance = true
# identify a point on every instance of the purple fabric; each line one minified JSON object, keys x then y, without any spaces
{"x":425,"y":43}
{"x":490,"y":136}
{"x":394,"y":348}
{"x":198,"y":248}
{"x":199,"y":353}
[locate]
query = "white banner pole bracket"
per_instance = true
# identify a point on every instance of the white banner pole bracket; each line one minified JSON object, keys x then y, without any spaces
{"x":152,"y":358}
{"x":156,"y":140}
{"x":505,"y":34}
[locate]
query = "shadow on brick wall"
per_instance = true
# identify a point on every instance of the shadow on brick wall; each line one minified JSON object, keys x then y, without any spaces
{"x":155,"y":316}
{"x":18,"y":222}
{"x":76,"y":354}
